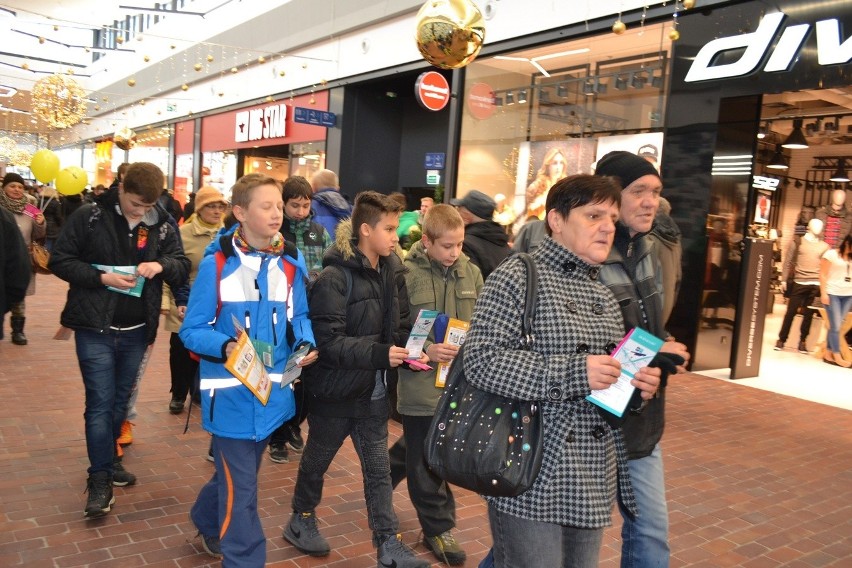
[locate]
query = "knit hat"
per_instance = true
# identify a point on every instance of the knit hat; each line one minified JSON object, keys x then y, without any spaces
{"x":477,"y":203}
{"x":11,"y":178}
{"x":625,"y":166}
{"x":207,"y":195}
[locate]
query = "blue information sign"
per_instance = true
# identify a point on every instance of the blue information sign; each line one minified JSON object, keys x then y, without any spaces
{"x":435,"y":160}
{"x":315,"y":117}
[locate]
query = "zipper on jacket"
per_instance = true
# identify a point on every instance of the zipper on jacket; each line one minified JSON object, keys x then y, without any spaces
{"x":212,"y":402}
{"x":248,"y":323}
{"x":274,"y":325}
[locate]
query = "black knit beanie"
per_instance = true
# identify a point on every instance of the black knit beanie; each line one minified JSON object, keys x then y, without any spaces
{"x":12,"y":177}
{"x":625,"y":166}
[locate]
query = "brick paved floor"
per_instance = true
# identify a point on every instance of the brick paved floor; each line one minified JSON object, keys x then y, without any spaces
{"x":755,"y":479}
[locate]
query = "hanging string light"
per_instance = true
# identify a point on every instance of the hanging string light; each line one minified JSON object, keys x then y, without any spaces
{"x":59,"y":100}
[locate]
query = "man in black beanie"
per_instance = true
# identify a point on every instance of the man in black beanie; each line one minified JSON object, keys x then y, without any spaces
{"x":633,"y":273}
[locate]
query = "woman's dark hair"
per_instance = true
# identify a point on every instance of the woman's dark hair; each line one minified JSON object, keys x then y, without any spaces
{"x":844,"y":250}
{"x":579,"y":190}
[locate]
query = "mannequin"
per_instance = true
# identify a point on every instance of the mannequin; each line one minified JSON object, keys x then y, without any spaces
{"x":802,"y":262}
{"x":836,"y":218}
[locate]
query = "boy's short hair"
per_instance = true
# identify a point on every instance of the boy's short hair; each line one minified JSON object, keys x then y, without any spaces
{"x":145,"y":180}
{"x":122,"y":170}
{"x":296,"y":187}
{"x":440,"y":219}
{"x":427,"y":198}
{"x":242,"y":191}
{"x":399,"y":198}
{"x":369,"y":208}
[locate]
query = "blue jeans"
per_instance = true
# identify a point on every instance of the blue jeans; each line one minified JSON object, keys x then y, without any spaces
{"x":227,"y":505}
{"x":370,"y":438}
{"x":645,"y":542}
{"x":109,"y":363}
{"x":837,"y":308}
{"x":522,"y":542}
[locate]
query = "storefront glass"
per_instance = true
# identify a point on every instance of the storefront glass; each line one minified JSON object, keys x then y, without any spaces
{"x":535,"y":116}
{"x":307,"y":159}
{"x":152,"y":146}
{"x":219,"y":170}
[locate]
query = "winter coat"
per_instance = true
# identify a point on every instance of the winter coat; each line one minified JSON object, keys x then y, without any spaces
{"x":15,"y":265}
{"x":195,"y":238}
{"x":575,"y":316}
{"x":52,"y":213}
{"x":430,"y":287}
{"x":667,"y":247}
{"x":486,"y":244}
{"x":355,"y":327}
{"x":254,"y":290}
{"x":330,"y":208}
{"x":530,"y":236}
{"x":30,"y":231}
{"x":633,"y":273}
{"x":89,"y":237}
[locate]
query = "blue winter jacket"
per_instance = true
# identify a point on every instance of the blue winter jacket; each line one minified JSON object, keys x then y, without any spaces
{"x":253,"y":289}
{"x":330,"y":208}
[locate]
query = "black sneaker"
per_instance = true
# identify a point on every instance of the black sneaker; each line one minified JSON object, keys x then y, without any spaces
{"x":210,"y":543}
{"x":445,"y":548}
{"x":100,"y":499}
{"x":210,"y":457}
{"x":278,"y":453}
{"x":176,"y":405}
{"x":393,"y":553}
{"x":303,"y":533}
{"x":294,"y":439}
{"x":120,"y":476}
{"x":803,"y":348}
{"x":779,"y":345}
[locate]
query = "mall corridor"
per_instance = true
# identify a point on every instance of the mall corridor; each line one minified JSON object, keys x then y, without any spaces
{"x":755,"y":479}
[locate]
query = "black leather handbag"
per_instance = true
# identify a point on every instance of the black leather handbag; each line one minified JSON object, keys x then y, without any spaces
{"x":483,"y":441}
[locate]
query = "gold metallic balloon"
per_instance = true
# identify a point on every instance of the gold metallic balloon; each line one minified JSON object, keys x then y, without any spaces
{"x":619,"y":27}
{"x":689,"y":4}
{"x":674,"y":35}
{"x":449,"y":33}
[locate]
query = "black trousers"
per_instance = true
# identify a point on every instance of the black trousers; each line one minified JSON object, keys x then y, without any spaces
{"x":183,"y":367}
{"x":801,"y":296}
{"x":279,"y":436}
{"x":431,"y":496}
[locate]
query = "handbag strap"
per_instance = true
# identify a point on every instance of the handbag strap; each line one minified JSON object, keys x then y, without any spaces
{"x":528,"y":338}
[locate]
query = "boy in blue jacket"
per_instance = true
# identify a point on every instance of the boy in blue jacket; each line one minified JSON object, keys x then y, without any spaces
{"x":254,"y":277}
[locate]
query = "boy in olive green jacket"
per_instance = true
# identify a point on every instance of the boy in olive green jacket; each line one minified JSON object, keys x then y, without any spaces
{"x":440,"y":277}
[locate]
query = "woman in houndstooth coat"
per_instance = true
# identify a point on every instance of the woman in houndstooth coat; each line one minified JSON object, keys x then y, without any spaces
{"x":559,"y":521}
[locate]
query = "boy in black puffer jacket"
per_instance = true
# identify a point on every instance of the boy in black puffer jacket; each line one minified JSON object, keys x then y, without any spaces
{"x":360,"y":319}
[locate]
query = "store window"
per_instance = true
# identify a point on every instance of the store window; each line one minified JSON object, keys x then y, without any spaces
{"x":152,"y":146}
{"x":219,"y":170}
{"x":307,"y":159}
{"x":540,"y":114}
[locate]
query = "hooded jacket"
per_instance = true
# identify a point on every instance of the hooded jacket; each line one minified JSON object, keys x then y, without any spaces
{"x":89,"y":237}
{"x":330,"y":208}
{"x":355,"y":327}
{"x":254,"y":290}
{"x":486,"y":244}
{"x":452,"y":291}
{"x":632,"y":272}
{"x":667,"y":247}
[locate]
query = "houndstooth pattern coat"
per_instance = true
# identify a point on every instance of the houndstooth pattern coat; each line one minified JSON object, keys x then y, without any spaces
{"x":576,"y":315}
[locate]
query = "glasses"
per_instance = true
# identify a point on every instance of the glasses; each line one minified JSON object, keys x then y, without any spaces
{"x":219,"y":206}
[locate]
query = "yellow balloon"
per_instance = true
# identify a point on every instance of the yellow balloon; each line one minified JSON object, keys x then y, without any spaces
{"x":44,"y":165}
{"x":449,"y":33}
{"x":71,"y":180}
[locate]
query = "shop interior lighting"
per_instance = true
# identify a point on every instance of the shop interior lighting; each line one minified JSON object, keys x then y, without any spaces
{"x":498,"y":101}
{"x":589,"y":88}
{"x":733,"y":165}
{"x":561,"y":90}
{"x":543,"y":96}
{"x":534,"y":61}
{"x":778,"y":161}
{"x":796,"y":139}
{"x":522,"y":96}
{"x":840,"y":174}
{"x":620,"y":83}
{"x":639,"y":80}
{"x":510,"y":98}
{"x":657,"y":81}
{"x":762,"y":131}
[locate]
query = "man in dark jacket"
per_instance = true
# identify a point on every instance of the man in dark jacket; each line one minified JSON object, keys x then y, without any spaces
{"x":115,"y":254}
{"x":485,"y":242}
{"x":328,"y":205}
{"x":15,"y":266}
{"x":361,"y":323}
{"x":633,"y":273}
